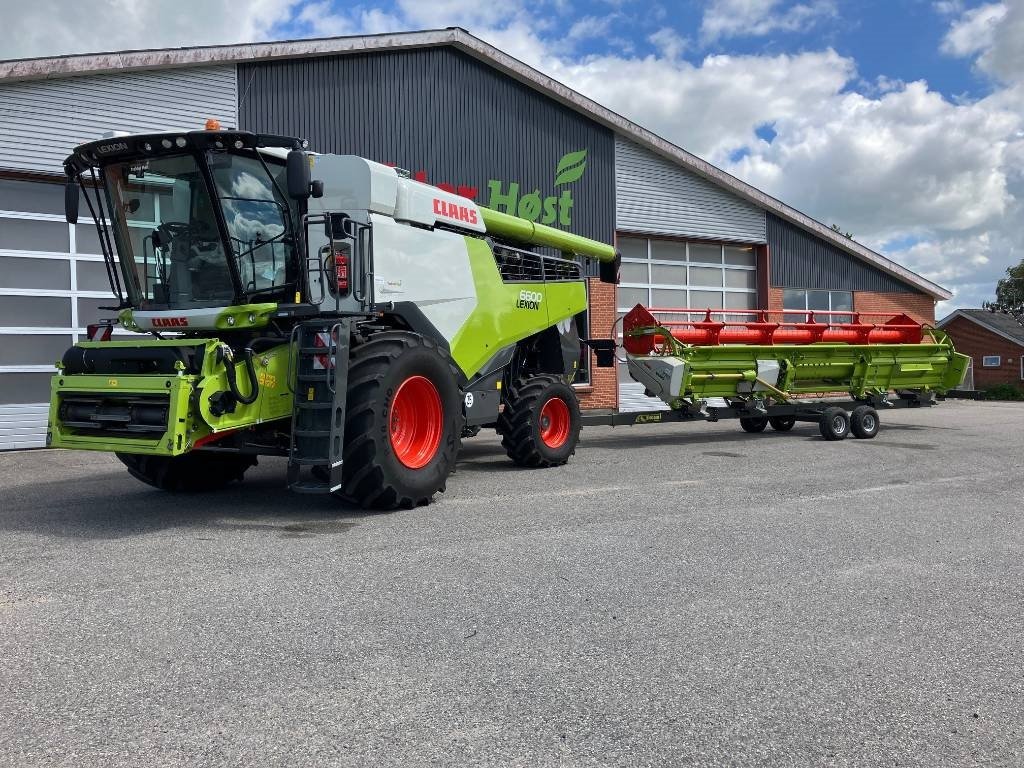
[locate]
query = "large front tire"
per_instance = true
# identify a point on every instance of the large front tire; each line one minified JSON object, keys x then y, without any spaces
{"x":403,"y":422}
{"x":190,"y":472}
{"x":540,"y":425}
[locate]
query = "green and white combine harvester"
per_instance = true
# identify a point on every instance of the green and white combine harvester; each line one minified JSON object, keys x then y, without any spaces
{"x":327,"y":309}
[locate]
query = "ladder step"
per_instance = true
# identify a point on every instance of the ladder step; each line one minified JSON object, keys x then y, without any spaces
{"x":310,"y":461}
{"x":311,"y":432}
{"x":314,"y":351}
{"x":304,"y":405}
{"x":312,"y":377}
{"x":311,"y":487}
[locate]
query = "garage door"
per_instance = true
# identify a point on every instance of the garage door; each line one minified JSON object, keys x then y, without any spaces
{"x":678,"y":274}
{"x":52,"y":284}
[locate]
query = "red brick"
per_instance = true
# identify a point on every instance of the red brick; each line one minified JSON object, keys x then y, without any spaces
{"x":603,"y":391}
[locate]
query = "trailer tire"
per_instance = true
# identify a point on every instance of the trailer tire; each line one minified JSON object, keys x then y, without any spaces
{"x":864,"y":422}
{"x":540,"y":424}
{"x":403,"y":421}
{"x":753,"y":424}
{"x":834,"y":424}
{"x":782,"y":423}
{"x":189,"y":473}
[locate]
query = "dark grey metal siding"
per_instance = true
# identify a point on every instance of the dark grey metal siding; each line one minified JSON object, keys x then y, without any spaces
{"x":439,"y":111}
{"x":801,"y":260}
{"x":658,"y":197}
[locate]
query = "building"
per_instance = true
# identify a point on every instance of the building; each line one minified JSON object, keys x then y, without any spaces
{"x":457,"y":113}
{"x":993,"y":340}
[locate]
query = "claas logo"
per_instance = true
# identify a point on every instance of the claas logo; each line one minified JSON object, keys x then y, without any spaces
{"x":170,"y":322}
{"x":452,"y":211}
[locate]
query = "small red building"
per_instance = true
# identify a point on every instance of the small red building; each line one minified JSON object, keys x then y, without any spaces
{"x":994,"y":341}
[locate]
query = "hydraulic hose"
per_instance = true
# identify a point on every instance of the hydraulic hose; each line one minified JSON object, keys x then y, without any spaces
{"x":250,"y":368}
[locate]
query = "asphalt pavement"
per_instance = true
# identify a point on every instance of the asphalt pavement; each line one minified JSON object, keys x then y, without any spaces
{"x":677,"y":595}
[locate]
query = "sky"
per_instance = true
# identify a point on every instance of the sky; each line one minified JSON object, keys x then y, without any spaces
{"x":902,"y":121}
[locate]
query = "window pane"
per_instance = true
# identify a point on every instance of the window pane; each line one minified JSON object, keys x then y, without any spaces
{"x":818,"y":300}
{"x":32,"y":349}
{"x":633,"y":273}
{"x":86,"y":239}
{"x":632,"y":247}
{"x":842,"y":301}
{"x":706,"y":299}
{"x":34,"y":273}
{"x":627,"y":298}
{"x":705,"y":276}
{"x":668,"y":249}
{"x":35,"y":311}
{"x":671,"y":274}
{"x":28,"y":235}
{"x":31,"y":197}
{"x":711,"y":254}
{"x":24,"y":388}
{"x":668,"y":297}
{"x":740,"y":278}
{"x":92,"y":276}
{"x":740,"y":256}
{"x":740,"y":300}
{"x":89,"y":310}
{"x":794,"y":299}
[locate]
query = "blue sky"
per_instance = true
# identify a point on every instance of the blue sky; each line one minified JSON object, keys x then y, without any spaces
{"x":900,"y":120}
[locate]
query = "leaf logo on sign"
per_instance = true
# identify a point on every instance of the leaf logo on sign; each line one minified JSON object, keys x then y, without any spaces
{"x":571,"y":167}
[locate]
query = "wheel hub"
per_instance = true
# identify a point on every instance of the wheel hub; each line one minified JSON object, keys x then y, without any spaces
{"x":555,"y":423}
{"x":416,"y":422}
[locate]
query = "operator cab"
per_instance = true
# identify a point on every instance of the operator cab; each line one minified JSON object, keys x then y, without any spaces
{"x":198,"y":219}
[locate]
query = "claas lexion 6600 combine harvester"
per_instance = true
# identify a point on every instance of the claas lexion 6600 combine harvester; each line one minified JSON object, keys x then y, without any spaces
{"x":330,"y":310}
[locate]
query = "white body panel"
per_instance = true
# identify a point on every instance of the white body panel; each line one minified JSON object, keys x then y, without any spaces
{"x":429,"y":268}
{"x":354,"y":184}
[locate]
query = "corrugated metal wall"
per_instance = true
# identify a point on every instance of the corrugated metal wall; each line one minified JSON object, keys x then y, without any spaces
{"x":442,"y":112}
{"x":801,"y":260}
{"x":656,"y":196}
{"x":42,"y":120}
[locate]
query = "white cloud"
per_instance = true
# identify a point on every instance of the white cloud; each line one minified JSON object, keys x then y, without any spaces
{"x":753,"y":18}
{"x":669,"y":43}
{"x":974,"y":30}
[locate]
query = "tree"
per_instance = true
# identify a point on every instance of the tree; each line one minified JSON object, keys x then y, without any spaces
{"x":1010,"y":292}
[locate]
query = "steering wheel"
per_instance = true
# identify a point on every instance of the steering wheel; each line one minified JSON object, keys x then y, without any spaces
{"x":169,"y":230}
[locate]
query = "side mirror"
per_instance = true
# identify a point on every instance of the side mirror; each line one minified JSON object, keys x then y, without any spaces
{"x":609,"y":270}
{"x":71,"y":193}
{"x":297,"y":169}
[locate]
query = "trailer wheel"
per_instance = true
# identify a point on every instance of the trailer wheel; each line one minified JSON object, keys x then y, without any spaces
{"x":834,"y":424}
{"x":403,"y":422}
{"x":782,"y":423}
{"x":540,"y":424}
{"x":864,"y":422}
{"x":753,"y":424}
{"x":190,"y":472}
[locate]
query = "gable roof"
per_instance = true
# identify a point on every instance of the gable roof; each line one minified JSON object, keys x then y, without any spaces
{"x":121,"y":61}
{"x":999,"y":323}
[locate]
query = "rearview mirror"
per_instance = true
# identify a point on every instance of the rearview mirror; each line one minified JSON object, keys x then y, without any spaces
{"x":298,"y":175}
{"x":71,"y":192}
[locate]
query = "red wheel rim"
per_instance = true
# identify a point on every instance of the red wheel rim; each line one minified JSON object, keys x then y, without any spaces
{"x":417,"y":422}
{"x":554,"y":423}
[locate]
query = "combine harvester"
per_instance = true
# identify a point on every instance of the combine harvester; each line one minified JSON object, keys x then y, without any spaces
{"x":747,"y":365}
{"x":327,"y":309}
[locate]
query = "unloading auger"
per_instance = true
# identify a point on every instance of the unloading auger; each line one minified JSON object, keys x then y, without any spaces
{"x":834,"y":368}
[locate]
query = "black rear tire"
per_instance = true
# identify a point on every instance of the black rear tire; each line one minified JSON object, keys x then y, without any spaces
{"x":540,"y":425}
{"x":864,"y":422}
{"x":834,"y":424}
{"x":782,"y":423}
{"x":753,"y":424}
{"x":190,"y":472}
{"x":379,"y":470}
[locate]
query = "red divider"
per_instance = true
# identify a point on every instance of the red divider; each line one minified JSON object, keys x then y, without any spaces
{"x":761,"y":329}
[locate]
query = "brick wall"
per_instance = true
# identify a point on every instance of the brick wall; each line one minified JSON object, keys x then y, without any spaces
{"x":919,"y":306}
{"x":603,"y":391}
{"x":971,"y":339}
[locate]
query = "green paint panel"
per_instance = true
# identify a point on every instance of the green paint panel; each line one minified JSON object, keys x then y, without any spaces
{"x":508,"y":312}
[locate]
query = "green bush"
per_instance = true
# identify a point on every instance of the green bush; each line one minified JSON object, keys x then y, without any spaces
{"x":1004,"y":392}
